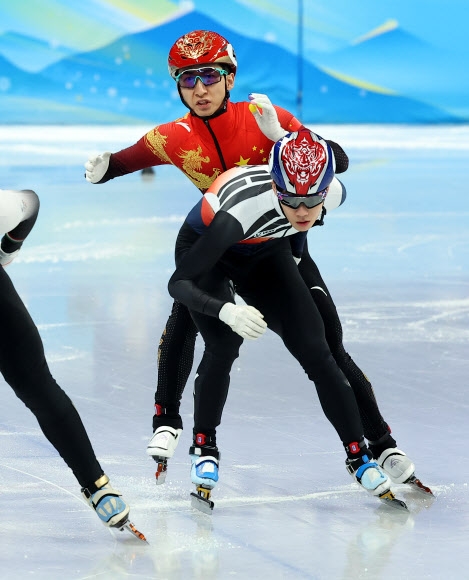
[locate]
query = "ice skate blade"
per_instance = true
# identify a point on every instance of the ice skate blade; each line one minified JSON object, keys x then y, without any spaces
{"x":129,"y":526}
{"x":201,"y":504}
{"x":160,"y":475}
{"x":391,"y":500}
{"x":418,"y":486}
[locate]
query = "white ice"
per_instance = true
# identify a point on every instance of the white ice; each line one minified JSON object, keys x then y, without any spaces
{"x":93,"y":274}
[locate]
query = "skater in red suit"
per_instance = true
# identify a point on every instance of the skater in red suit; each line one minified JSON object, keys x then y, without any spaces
{"x":214,"y":136}
{"x":25,"y":369}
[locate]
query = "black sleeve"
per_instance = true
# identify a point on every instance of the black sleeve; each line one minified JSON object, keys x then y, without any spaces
{"x":341,"y":158}
{"x":223,"y":232}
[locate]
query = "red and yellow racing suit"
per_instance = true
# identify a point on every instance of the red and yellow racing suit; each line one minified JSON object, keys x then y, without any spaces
{"x":201,"y":148}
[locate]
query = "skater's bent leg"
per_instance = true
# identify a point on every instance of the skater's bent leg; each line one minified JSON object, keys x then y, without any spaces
{"x":373,"y":422}
{"x":24,"y":367}
{"x":210,"y":394}
{"x":175,"y":359}
{"x":374,"y":425}
{"x":340,"y":407}
{"x":291,"y":313}
{"x":221,"y":349}
{"x":213,"y":374}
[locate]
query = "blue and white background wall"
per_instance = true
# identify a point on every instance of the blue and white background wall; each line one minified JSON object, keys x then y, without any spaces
{"x":328,"y":61}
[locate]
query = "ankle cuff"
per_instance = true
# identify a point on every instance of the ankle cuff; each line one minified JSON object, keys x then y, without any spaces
{"x":205,"y":451}
{"x":94,"y":487}
{"x":355,"y":449}
{"x":383,"y":443}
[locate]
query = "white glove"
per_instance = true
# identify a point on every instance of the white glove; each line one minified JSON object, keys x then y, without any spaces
{"x":6,"y":259}
{"x":96,"y":167}
{"x":266,"y":116}
{"x":246,"y":321}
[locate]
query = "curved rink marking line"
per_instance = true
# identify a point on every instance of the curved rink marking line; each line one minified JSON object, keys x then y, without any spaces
{"x":164,"y":504}
{"x":43,"y":480}
{"x":178,"y":503}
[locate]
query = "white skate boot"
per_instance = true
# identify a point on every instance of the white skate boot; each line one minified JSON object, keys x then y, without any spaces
{"x":369,"y":475}
{"x":396,"y":465}
{"x":401,"y":469}
{"x":161,"y":447}
{"x":111,"y":509}
{"x":204,"y":474}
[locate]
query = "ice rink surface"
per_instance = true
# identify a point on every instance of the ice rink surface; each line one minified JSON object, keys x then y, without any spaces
{"x":93,"y":274}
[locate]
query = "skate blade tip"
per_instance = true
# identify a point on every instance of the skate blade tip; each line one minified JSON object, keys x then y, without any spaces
{"x":130,"y":527}
{"x":426,"y":492}
{"x":160,"y":478}
{"x":161,"y":470}
{"x":419,"y":486}
{"x":202,"y":505}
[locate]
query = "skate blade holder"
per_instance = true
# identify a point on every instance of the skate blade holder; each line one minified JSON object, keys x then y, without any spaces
{"x":201,"y":500}
{"x":162,"y":466}
{"x":418,"y":486}
{"x":391,"y":500}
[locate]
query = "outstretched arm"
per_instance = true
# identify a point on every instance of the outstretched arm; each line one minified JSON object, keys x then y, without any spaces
{"x":104,"y":167}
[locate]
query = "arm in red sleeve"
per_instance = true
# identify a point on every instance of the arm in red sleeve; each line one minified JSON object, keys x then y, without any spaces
{"x":133,"y":158}
{"x":287,"y":120}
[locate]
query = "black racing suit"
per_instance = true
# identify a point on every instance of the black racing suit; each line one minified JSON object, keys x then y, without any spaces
{"x":24,"y":368}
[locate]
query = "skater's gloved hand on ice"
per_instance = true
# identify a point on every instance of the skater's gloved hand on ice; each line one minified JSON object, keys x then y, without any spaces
{"x":266,"y":116}
{"x":96,"y":167}
{"x":246,"y":321}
